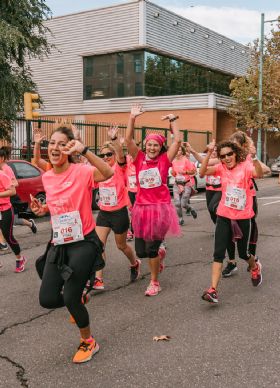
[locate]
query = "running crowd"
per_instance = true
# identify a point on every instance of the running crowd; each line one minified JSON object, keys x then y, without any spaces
{"x":135,"y":203}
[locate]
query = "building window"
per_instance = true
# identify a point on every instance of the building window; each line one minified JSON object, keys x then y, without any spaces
{"x":139,"y":73}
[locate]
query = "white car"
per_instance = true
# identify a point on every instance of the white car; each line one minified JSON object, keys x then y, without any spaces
{"x":275,"y":167}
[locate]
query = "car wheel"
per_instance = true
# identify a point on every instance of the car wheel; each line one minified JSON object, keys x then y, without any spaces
{"x":41,"y":198}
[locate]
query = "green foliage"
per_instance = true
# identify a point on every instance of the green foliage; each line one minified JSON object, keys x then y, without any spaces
{"x":245,"y":90}
{"x":22,"y":36}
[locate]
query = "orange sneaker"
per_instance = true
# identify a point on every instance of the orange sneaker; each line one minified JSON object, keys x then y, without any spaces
{"x":85,"y":351}
{"x":98,"y":284}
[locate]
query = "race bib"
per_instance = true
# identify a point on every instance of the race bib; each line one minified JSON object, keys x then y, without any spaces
{"x":108,"y":196}
{"x":213,"y":180}
{"x":150,"y":178}
{"x":235,"y":198}
{"x":132,"y":181}
{"x":67,"y":228}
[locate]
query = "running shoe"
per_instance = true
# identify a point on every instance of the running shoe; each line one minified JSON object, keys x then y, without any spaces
{"x":210,"y":295}
{"x":129,"y":236}
{"x":181,"y":221}
{"x":33,"y":226}
{"x":3,"y":247}
{"x":135,"y":271}
{"x":162,"y":254}
{"x":98,"y":284}
{"x":256,"y":275}
{"x":20,"y":265}
{"x":85,"y":351}
{"x":229,"y":270}
{"x":188,"y":212}
{"x":256,"y":260}
{"x":153,"y":289}
{"x":194,"y":214}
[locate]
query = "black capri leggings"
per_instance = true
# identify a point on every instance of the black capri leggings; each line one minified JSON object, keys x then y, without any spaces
{"x":212,"y":200}
{"x":6,"y":225}
{"x":55,"y":292}
{"x":223,"y":237}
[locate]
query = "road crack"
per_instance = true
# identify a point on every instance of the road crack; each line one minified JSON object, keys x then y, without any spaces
{"x":20,"y":372}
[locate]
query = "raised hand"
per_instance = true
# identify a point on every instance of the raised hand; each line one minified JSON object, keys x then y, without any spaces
{"x":73,"y":146}
{"x":211,"y":146}
{"x":136,"y":110}
{"x":36,"y":206}
{"x":113,"y":132}
{"x":38,"y":136}
{"x":168,"y":117}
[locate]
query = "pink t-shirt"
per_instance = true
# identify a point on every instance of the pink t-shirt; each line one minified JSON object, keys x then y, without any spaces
{"x":131,"y":175}
{"x":151,"y":175}
{"x":113,"y":192}
{"x":237,"y":201}
{"x":183,"y":164}
{"x":8,"y":171}
{"x":5,"y":184}
{"x":70,"y":191}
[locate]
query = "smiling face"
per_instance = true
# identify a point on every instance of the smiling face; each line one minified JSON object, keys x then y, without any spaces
{"x":228,"y":157}
{"x":109,"y":157}
{"x":56,"y":145}
{"x":152,"y":149}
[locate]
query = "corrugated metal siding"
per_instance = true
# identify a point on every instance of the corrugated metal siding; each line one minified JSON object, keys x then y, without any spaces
{"x":194,"y":47}
{"x":60,"y":77}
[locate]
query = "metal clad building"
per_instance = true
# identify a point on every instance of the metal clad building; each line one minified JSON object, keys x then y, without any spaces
{"x":145,"y":33}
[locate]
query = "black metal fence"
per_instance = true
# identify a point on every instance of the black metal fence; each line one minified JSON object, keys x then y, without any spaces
{"x":92,"y":134}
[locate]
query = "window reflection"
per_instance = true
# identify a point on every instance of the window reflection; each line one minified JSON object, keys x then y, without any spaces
{"x":139,"y":73}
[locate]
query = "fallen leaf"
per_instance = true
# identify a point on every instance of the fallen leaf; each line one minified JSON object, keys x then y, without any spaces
{"x":162,"y":338}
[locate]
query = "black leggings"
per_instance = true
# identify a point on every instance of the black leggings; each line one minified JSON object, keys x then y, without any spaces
{"x":6,"y":225}
{"x":223,"y":238}
{"x":55,"y":292}
{"x":212,"y":200}
{"x":253,"y":236}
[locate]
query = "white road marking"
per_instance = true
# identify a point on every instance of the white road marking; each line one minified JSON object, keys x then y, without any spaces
{"x":270,"y":203}
{"x":268,"y":198}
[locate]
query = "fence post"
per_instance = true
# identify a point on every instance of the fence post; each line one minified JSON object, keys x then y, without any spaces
{"x":95,"y":139}
{"x":28,"y":140}
{"x":143,"y":135}
{"x":208,"y":137}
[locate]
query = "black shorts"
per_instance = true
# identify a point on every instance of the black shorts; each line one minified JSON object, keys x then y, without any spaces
{"x":146,"y":248}
{"x":117,"y":220}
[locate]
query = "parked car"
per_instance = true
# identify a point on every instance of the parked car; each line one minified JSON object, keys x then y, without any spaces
{"x":29,"y":178}
{"x":275,"y":166}
{"x":43,"y":150}
{"x":200,"y":183}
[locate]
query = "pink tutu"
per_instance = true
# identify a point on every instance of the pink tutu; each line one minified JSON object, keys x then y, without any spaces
{"x":155,"y":221}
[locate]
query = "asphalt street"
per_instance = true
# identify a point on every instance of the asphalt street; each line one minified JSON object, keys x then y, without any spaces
{"x":235,"y":344}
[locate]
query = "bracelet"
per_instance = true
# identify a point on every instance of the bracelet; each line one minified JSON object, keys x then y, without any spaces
{"x":255,"y":158}
{"x":114,"y":138}
{"x":85,"y":150}
{"x":173,"y":119}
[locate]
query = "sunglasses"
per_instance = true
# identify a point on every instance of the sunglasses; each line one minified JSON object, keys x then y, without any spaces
{"x":225,"y":155}
{"x":107,"y":155}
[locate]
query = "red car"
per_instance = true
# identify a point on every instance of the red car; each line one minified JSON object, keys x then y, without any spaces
{"x":29,"y":178}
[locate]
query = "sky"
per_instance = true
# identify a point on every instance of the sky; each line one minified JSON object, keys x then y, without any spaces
{"x":238,"y":19}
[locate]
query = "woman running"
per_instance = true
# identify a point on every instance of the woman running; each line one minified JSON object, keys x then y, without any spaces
{"x":75,"y":251}
{"x":113,"y":202}
{"x":235,"y":210}
{"x":153,"y":215}
{"x":8,"y":185}
{"x":247,"y":145}
{"x":183,"y":171}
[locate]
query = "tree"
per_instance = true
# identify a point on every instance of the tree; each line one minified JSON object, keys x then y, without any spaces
{"x":245,"y":90}
{"x":22,"y":36}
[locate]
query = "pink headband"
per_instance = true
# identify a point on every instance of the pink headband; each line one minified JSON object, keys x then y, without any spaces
{"x":159,"y":138}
